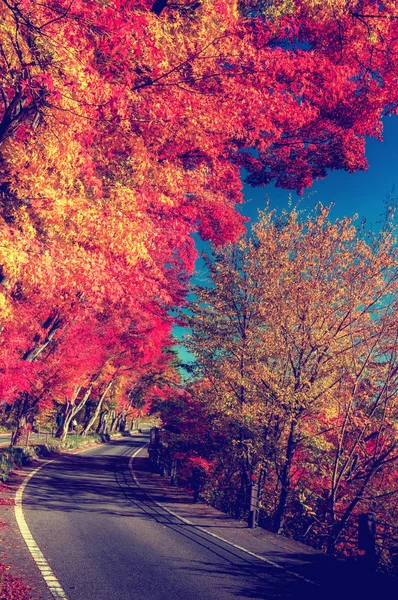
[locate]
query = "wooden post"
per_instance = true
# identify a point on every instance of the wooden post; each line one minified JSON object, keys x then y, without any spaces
{"x":253,"y":505}
{"x":173,"y":474}
{"x":394,"y":555}
{"x":367,"y":538}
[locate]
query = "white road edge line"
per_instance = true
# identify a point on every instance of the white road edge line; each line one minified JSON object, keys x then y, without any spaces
{"x":218,"y":537}
{"x":43,"y":566}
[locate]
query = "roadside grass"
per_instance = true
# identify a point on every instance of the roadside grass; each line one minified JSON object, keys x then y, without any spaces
{"x":21,"y":455}
{"x":73,"y":442}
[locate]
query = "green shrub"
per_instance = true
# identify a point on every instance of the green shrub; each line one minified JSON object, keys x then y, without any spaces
{"x":77,"y":441}
{"x":19,"y":456}
{"x":15,"y":457}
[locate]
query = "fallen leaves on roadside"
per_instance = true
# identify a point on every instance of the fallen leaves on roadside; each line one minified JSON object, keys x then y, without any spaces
{"x":7,"y":502}
{"x":12,"y":588}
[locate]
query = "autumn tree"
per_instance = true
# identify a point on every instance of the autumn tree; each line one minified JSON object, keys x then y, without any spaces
{"x":124,"y":127}
{"x":362,"y":439}
{"x":161,"y":106}
{"x":297,"y":324}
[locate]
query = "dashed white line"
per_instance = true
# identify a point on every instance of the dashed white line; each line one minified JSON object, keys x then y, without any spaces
{"x":218,"y":537}
{"x":45,"y":569}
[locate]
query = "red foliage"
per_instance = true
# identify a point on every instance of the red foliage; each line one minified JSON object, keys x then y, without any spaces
{"x":124,"y":131}
{"x":7,"y":502}
{"x":11,"y":587}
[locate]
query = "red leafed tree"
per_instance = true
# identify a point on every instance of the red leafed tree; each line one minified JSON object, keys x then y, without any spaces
{"x":191,"y":86}
{"x":124,"y":127}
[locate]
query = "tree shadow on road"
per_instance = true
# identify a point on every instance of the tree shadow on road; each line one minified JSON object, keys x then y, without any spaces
{"x":103,"y":485}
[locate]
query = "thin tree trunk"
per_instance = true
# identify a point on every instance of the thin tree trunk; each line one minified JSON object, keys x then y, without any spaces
{"x":54,"y":323}
{"x":113,"y":424}
{"x":338,"y":526}
{"x":71,"y":411}
{"x":279,"y":519}
{"x":102,"y":425}
{"x":97,"y":410}
{"x":88,"y":410}
{"x":20,"y":419}
{"x":18,"y":431}
{"x":108,"y":420}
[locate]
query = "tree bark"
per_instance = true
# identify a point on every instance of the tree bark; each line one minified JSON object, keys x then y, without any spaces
{"x":97,"y":410}
{"x":22,"y":409}
{"x":18,"y":431}
{"x":54,"y":324}
{"x":113,"y":423}
{"x":279,"y":519}
{"x":71,"y":410}
{"x":103,"y":420}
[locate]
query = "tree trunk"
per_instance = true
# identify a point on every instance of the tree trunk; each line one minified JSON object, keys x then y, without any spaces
{"x":279,"y":519}
{"x":97,"y":410}
{"x":60,"y":433}
{"x":18,"y":431}
{"x":102,"y":425}
{"x":88,"y":411}
{"x":21,"y":419}
{"x":53,"y":323}
{"x":337,"y":526}
{"x":242,"y":496}
{"x":113,"y":423}
{"x":71,"y":411}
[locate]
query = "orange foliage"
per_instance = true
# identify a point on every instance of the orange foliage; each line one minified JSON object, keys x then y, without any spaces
{"x":295,"y":338}
{"x":124,"y":126}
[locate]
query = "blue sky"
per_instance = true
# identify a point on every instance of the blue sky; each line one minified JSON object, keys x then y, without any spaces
{"x":361,"y":193}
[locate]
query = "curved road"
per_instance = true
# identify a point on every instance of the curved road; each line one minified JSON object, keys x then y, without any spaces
{"x":106,"y":540}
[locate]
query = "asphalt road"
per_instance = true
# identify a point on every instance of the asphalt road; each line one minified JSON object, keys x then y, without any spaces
{"x":105,"y":540}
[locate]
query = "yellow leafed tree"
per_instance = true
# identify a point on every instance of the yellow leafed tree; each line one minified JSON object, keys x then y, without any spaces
{"x":295,"y":323}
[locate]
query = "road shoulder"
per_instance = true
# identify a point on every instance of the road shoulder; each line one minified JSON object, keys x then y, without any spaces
{"x":14,"y":552}
{"x":336,"y":578}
